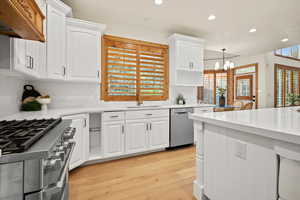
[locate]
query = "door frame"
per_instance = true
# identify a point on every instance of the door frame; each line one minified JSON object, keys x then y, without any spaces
{"x":232,"y":82}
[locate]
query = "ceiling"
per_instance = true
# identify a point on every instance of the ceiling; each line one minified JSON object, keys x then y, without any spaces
{"x":141,"y":19}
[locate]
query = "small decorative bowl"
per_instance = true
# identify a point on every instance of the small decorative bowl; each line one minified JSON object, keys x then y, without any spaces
{"x":44,"y":102}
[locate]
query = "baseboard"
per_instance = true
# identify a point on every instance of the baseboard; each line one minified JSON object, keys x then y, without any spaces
{"x":101,"y":160}
{"x":197,"y":191}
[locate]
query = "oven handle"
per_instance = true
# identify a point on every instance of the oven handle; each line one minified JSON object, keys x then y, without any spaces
{"x":60,"y":183}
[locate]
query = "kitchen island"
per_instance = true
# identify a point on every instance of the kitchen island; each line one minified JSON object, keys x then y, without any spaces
{"x":248,"y":155}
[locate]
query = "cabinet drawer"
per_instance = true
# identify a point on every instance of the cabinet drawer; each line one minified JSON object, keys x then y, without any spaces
{"x":203,"y":110}
{"x":142,"y":114}
{"x":113,"y":116}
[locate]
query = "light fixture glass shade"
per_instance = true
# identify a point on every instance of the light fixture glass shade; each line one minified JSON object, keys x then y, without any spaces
{"x":158,"y":2}
{"x":231,"y":65}
{"x":217,"y":66}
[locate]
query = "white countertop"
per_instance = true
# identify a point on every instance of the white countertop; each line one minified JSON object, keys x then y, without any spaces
{"x":277,"y":123}
{"x":56,"y":113}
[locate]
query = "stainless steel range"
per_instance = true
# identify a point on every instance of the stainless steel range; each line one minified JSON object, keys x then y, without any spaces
{"x":34,"y":159}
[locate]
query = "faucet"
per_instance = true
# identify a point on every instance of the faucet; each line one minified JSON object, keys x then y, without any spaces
{"x":139,"y":102}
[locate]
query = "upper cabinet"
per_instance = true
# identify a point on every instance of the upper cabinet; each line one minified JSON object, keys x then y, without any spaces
{"x":83,"y":50}
{"x":71,"y":51}
{"x":56,"y":39}
{"x":186,"y":60}
{"x":22,"y":18}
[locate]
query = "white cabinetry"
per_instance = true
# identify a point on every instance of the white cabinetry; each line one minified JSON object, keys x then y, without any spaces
{"x":81,"y":137}
{"x":136,"y":136}
{"x":113,"y":138}
{"x":125,"y":133}
{"x":186,"y":60}
{"x":83,"y":50}
{"x":159,"y":133}
{"x":56,"y":39}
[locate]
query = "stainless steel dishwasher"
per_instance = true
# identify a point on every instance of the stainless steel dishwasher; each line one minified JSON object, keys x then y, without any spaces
{"x":181,"y":127}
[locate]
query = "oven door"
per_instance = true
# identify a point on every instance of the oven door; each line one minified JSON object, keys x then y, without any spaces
{"x":57,"y":192}
{"x":59,"y":189}
{"x":11,"y":181}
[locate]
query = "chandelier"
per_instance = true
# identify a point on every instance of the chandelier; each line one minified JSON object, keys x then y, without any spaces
{"x":226,"y":62}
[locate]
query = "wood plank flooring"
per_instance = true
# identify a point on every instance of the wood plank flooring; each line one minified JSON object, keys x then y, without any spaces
{"x":165,"y":175}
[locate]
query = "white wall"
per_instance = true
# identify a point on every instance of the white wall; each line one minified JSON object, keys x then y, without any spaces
{"x":11,"y":90}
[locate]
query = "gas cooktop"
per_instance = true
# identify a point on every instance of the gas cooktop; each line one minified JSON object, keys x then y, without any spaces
{"x":18,"y":136}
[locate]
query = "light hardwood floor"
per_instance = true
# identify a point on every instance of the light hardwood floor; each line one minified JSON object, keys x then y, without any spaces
{"x":165,"y":175}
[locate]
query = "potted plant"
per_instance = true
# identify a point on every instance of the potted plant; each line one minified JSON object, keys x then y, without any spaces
{"x":180,"y":100}
{"x":293,"y":99}
{"x":222,"y":99}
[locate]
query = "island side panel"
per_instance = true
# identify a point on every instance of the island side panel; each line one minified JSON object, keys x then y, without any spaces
{"x":237,"y":165}
{"x":199,"y":182}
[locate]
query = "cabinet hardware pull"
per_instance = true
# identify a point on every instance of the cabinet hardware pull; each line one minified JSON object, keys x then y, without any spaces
{"x":149,"y":114}
{"x":32,"y":62}
{"x":150,"y":126}
{"x":147,"y":127}
{"x":28,"y":62}
{"x":64,"y":70}
{"x":85,"y":123}
{"x":98,"y":74}
{"x":114,"y":116}
{"x":123,"y":131}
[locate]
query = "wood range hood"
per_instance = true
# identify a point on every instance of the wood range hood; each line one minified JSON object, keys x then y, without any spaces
{"x":22,"y":19}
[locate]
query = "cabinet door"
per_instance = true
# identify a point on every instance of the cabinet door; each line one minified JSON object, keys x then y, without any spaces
{"x":113,"y":138}
{"x":81,"y":137}
{"x":190,"y":56}
{"x":159,"y":133}
{"x":136,"y":136}
{"x":78,"y":154}
{"x":83,"y":49}
{"x":56,"y":42}
{"x":21,"y":59}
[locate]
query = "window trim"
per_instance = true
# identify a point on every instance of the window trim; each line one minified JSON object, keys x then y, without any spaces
{"x":137,"y":97}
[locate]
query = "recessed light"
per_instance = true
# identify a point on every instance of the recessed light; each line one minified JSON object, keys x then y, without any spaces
{"x":285,"y":40}
{"x":252,"y":30}
{"x":158,"y":2}
{"x":211,"y":17}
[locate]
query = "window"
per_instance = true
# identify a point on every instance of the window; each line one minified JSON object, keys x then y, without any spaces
{"x":286,"y":82}
{"x":212,"y":81}
{"x":244,"y":87}
{"x":134,"y":70}
{"x":289,"y":52}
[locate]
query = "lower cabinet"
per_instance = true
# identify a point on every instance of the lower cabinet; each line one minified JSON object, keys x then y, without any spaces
{"x":158,"y":133}
{"x":81,"y":137}
{"x":136,"y":136}
{"x":134,"y":132}
{"x":113,"y":138}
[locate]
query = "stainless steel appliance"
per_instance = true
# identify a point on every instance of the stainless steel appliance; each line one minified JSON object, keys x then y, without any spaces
{"x":181,"y":127}
{"x":35,"y":159}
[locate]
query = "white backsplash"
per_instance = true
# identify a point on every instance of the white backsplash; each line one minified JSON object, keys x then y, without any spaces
{"x":66,"y":95}
{"x":11,"y":90}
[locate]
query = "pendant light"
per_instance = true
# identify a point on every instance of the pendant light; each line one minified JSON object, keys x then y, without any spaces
{"x":225,"y":64}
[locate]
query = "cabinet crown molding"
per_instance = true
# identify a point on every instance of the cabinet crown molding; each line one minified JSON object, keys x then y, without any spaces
{"x":181,"y":37}
{"x":59,"y":5}
{"x":86,"y":25}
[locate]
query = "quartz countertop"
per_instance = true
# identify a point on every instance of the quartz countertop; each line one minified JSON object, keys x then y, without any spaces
{"x":278,"y":123}
{"x":60,"y":112}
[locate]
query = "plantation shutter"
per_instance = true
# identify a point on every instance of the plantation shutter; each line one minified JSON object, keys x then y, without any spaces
{"x":286,"y":82}
{"x":133,"y":70}
{"x":153,"y":73}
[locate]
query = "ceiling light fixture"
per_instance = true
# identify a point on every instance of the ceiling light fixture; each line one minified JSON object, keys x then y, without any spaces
{"x":226,"y":64}
{"x":211,"y":17}
{"x":158,"y":2}
{"x":285,"y":40}
{"x":252,"y":30}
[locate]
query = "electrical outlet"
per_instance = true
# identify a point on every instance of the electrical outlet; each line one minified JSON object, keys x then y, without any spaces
{"x":241,"y":150}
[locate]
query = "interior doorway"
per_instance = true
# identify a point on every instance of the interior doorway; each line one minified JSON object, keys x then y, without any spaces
{"x":243,"y":85}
